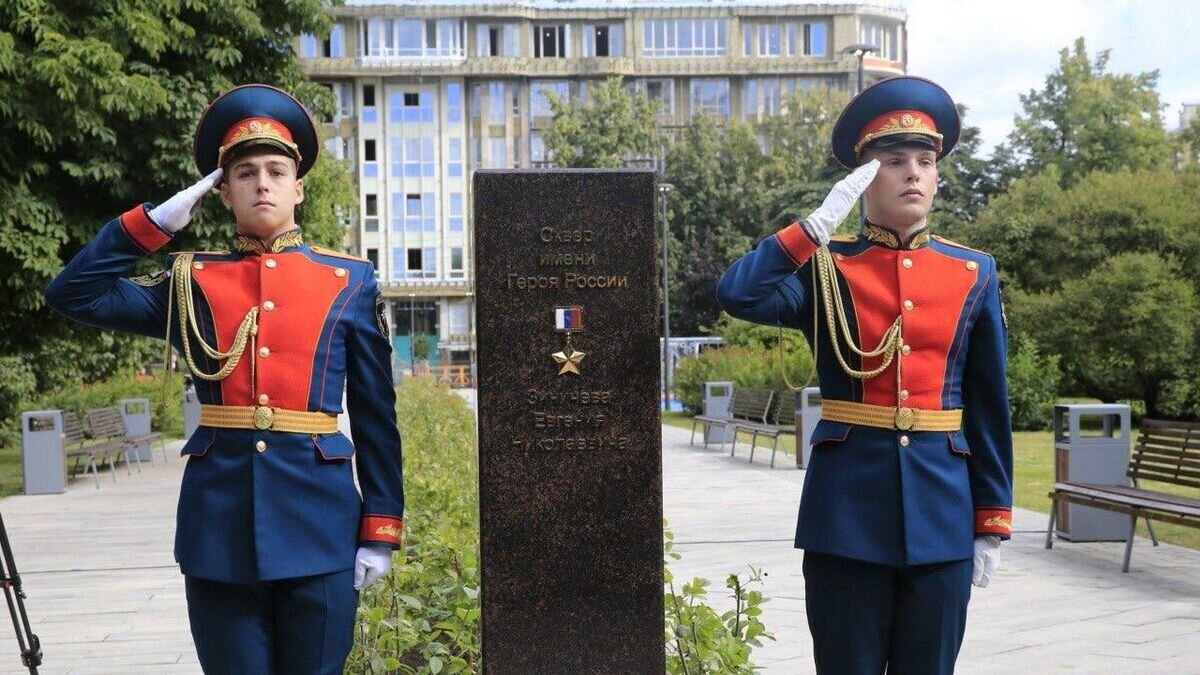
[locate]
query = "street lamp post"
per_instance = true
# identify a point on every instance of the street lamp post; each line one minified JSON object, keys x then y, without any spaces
{"x":412,"y":335}
{"x":664,"y":189}
{"x":859,"y":50}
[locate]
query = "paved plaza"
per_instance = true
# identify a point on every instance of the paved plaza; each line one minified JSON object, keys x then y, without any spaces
{"x":106,"y":597}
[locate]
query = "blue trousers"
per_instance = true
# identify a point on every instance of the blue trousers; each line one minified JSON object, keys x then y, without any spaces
{"x":291,"y":626}
{"x":866,"y":619}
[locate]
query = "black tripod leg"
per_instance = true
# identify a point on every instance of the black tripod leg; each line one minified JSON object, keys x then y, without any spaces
{"x":31,"y":647}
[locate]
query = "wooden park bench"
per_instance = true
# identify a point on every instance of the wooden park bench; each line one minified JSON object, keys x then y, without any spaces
{"x":781,"y":421}
{"x":745,"y":405}
{"x":87,"y":457}
{"x":106,"y":427}
{"x":1165,"y":452}
{"x":137,"y":440}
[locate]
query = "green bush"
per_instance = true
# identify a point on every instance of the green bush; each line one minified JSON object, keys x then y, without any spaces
{"x":17,"y":383}
{"x":166,"y":413}
{"x":424,"y":617}
{"x":749,"y":366}
{"x":1033,"y":384}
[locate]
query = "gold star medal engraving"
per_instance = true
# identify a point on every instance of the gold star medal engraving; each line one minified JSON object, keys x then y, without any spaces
{"x":568,"y":320}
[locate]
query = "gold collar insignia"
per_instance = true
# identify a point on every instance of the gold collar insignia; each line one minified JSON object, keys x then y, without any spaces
{"x":254,"y":246}
{"x":885,"y":237}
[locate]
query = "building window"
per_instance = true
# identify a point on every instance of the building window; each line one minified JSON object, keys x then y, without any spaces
{"x":537,"y":149}
{"x":430,"y":260}
{"x":496,"y":40}
{"x":539,"y":101}
{"x":368,"y":95}
{"x":308,"y":46}
{"x":413,"y":265}
{"x":604,"y":40}
{"x":453,"y":102}
{"x":371,"y":213}
{"x":373,"y":256}
{"x":814,"y":39}
{"x":398,"y":212}
{"x":496,"y":111}
{"x":710,"y":96}
{"x":370,"y":166}
{"x":454,"y":165}
{"x":335,"y":45}
{"x":550,"y":41}
{"x":659,"y":90}
{"x":456,"y":212}
{"x":683,"y":37}
{"x":412,"y":38}
{"x":412,"y":205}
{"x":412,"y":99}
{"x":456,"y":269}
{"x":884,"y":35}
{"x":497,"y":153}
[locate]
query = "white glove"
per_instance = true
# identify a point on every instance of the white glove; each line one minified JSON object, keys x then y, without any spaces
{"x":174,"y":214}
{"x":839,"y":202}
{"x":987,"y":560}
{"x":370,"y":565}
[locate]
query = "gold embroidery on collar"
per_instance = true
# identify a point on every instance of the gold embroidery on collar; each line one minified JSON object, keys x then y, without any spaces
{"x":885,"y":237}
{"x":247,"y":244}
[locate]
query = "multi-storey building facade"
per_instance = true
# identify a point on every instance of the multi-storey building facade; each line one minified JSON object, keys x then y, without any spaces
{"x":428,"y":91}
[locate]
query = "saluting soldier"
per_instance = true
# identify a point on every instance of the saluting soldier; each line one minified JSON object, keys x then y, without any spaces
{"x":272,"y":536}
{"x":909,"y":490}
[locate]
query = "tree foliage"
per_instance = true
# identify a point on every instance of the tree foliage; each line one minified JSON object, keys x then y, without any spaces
{"x":1087,"y":119}
{"x":98,"y":106}
{"x":613,"y":127}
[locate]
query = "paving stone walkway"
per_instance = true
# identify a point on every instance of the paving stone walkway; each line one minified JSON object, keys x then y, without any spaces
{"x":106,"y":597}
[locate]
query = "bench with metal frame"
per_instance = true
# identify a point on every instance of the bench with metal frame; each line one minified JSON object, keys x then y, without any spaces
{"x":1165,"y":452}
{"x":89,"y":457}
{"x":781,"y":421}
{"x":105,"y":425}
{"x":745,"y":405}
{"x":137,"y":440}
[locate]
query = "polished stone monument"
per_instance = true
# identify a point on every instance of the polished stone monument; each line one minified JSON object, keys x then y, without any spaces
{"x":570,"y":465}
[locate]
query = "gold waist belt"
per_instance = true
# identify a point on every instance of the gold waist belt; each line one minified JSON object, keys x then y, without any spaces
{"x":264,"y":418}
{"x":888,"y":417}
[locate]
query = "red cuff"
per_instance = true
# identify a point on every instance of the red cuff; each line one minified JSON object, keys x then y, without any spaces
{"x":139,"y":228}
{"x":798,"y":243}
{"x":382,"y":529}
{"x":993,"y":521}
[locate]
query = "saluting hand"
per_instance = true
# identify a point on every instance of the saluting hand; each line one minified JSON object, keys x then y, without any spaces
{"x":840,"y":201}
{"x":174,"y":214}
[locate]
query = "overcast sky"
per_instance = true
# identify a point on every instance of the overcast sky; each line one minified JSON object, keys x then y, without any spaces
{"x":987,"y":53}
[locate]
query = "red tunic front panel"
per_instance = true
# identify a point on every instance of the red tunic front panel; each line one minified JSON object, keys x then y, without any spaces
{"x":929,"y":291}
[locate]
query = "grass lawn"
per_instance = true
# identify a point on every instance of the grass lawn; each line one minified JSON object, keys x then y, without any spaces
{"x":1033,"y":460}
{"x":11,"y":469}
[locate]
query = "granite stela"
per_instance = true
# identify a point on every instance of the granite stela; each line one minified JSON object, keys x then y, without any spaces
{"x":570,"y":465}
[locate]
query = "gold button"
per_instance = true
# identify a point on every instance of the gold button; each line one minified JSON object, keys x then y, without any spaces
{"x":904,"y":441}
{"x":268,"y":305}
{"x":906,"y":350}
{"x":339,"y":272}
{"x":907,"y":262}
{"x":908,"y":304}
{"x":271,"y":263}
{"x":261,"y":446}
{"x":903,"y":394}
{"x":972,"y":265}
{"x":264,"y":352}
{"x":198,"y":265}
{"x":263,"y":399}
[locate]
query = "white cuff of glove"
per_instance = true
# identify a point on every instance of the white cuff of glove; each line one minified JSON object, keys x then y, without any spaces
{"x":987,"y":560}
{"x":174,"y":214}
{"x":370,"y":565}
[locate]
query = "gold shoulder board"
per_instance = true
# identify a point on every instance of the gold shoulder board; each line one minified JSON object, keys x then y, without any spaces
{"x":337,"y":254}
{"x":844,"y":238}
{"x":958,"y":245}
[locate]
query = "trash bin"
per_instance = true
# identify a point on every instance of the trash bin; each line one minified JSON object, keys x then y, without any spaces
{"x":1091,"y":456}
{"x":808,"y":414}
{"x":717,"y":396}
{"x":44,"y":457}
{"x":135,"y":413}
{"x":191,"y":408}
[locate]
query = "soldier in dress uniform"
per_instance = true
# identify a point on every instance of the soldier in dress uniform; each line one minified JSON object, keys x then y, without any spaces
{"x":909,"y":490}
{"x":272,"y":536}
